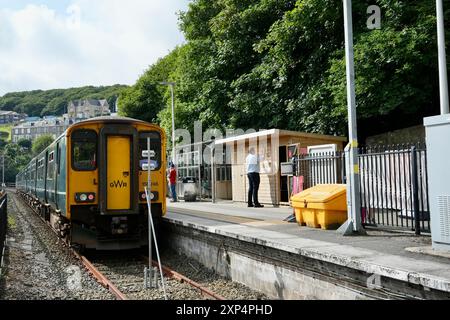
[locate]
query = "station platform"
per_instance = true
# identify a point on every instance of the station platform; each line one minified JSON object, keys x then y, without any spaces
{"x":394,"y":256}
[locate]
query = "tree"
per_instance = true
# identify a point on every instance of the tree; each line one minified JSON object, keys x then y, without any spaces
{"x":54,"y":102}
{"x":15,"y":160}
{"x":25,"y":143}
{"x":281,"y":64}
{"x":148,"y":97}
{"x":4,"y":135}
{"x":41,"y":143}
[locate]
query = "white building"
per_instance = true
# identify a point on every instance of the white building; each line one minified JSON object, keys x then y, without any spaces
{"x":35,"y":129}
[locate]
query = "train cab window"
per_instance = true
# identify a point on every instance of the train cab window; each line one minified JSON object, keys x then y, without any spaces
{"x":155,"y":145}
{"x":84,"y":150}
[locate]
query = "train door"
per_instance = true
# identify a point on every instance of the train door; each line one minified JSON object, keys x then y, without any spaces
{"x":118,"y":169}
{"x":118,"y":172}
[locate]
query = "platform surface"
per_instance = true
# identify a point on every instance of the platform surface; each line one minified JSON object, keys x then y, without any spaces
{"x":379,"y":252}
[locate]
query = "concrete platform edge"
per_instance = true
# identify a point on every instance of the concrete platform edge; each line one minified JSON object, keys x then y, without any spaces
{"x":418,"y":278}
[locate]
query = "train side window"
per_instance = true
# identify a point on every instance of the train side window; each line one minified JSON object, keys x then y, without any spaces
{"x":84,"y":150}
{"x":41,"y":169}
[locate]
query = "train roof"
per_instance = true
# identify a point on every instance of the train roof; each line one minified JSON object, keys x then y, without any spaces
{"x":111,"y":119}
{"x":104,"y":119}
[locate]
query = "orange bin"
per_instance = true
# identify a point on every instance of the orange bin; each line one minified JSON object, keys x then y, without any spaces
{"x":323,"y":206}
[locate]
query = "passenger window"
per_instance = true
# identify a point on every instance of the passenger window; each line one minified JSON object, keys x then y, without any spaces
{"x":58,"y":158}
{"x":84,"y":150}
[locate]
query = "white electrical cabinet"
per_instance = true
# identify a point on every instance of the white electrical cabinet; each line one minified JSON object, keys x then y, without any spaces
{"x":438,"y":154}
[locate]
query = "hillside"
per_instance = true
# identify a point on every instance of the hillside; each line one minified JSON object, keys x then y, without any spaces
{"x":54,"y":102}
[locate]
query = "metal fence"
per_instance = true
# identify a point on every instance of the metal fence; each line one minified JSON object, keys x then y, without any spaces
{"x":393,"y":185}
{"x":191,"y":166}
{"x":3,"y":224}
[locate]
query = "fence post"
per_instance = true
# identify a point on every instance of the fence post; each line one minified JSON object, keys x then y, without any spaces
{"x":415,"y":186}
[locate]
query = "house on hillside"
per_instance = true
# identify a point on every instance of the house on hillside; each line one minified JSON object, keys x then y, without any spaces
{"x":88,"y":108}
{"x":11,"y":117}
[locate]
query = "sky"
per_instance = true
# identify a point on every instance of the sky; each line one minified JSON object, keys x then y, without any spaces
{"x":49,"y":44}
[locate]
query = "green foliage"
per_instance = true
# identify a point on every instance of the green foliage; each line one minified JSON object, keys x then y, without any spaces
{"x":4,"y":135}
{"x":148,"y":96}
{"x":5,"y":132}
{"x":281,"y":64}
{"x":41,"y":143}
{"x":54,"y":102}
{"x":25,"y":143}
{"x":16,"y":158}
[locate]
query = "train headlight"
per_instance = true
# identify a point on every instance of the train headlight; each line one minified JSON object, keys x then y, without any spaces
{"x":87,"y":197}
{"x":154,"y":196}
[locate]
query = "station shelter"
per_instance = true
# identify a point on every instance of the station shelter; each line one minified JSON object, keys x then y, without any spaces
{"x":274,"y":147}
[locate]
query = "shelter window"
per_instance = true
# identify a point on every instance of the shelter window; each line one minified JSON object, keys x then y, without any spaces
{"x":84,"y":150}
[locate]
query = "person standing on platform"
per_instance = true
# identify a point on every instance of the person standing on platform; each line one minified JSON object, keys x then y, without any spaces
{"x":252,"y":163}
{"x":173,"y":182}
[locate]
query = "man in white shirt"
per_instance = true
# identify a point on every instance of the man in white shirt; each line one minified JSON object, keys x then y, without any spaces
{"x":252,"y":163}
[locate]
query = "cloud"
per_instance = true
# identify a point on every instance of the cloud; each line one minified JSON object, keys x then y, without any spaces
{"x":99,"y":42}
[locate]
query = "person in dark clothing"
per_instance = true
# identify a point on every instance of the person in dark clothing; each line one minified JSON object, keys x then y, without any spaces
{"x":254,"y":180}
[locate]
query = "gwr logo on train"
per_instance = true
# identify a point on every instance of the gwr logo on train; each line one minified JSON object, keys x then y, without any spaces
{"x":118,"y":184}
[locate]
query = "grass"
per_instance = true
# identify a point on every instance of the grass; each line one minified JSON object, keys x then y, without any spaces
{"x":11,"y":222}
{"x":6,"y":128}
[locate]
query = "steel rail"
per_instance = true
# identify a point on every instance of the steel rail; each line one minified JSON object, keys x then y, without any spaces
{"x":178,"y":276}
{"x":102,"y":279}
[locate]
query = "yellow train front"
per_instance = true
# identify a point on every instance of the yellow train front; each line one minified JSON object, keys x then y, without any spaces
{"x":89,"y":184}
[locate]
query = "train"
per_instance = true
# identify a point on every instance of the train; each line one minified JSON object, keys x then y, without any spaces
{"x":89,"y":184}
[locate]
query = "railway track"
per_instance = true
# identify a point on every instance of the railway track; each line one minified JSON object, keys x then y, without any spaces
{"x":123,"y":275}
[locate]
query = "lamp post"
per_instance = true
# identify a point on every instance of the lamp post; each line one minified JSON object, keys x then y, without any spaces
{"x":172,"y":86}
{"x":443,"y":82}
{"x":353,"y":224}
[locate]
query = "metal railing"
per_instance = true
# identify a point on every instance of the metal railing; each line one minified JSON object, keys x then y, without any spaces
{"x":3,"y":224}
{"x":393,"y":183}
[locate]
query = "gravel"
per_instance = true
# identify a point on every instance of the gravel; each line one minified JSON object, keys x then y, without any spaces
{"x":208,"y":278}
{"x":126,"y":271}
{"x":38,"y":266}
